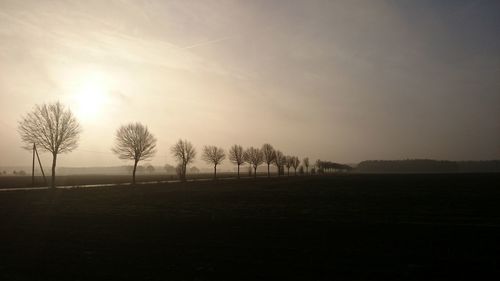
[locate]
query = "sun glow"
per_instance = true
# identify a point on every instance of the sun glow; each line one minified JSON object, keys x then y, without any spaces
{"x":91,"y":96}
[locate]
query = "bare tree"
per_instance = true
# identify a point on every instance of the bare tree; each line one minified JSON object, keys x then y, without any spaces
{"x":51,"y":127}
{"x":134,"y":142}
{"x":185,"y":153}
{"x":269,"y":154}
{"x":279,"y":161}
{"x":288,"y":164}
{"x":295,"y":164}
{"x":236,"y":156}
{"x":213,"y":155}
{"x":305,"y":161}
{"x":254,"y":157}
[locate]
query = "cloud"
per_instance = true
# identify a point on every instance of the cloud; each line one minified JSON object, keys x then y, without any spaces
{"x":64,"y":40}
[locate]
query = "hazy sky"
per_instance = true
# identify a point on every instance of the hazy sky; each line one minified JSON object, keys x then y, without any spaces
{"x":338,"y":80}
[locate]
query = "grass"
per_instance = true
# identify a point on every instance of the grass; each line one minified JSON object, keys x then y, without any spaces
{"x":346,"y":227}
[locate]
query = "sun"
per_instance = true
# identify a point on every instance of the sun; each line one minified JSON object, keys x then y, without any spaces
{"x":91,"y":96}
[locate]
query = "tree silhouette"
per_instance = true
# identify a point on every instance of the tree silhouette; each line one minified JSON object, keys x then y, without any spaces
{"x":185,"y":153}
{"x":194,"y":170}
{"x":327,"y":166}
{"x":150,"y":168}
{"x":295,"y":164}
{"x":169,"y":169}
{"x":213,"y":155}
{"x":51,"y":127}
{"x":134,"y":142}
{"x":269,"y":154}
{"x":279,"y":161}
{"x":254,"y":157}
{"x":319,"y":166}
{"x":288,"y":164}
{"x":236,"y":156}
{"x":305,"y":161}
{"x":313,"y":170}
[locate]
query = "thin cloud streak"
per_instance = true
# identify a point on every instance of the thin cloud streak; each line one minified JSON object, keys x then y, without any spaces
{"x":207,"y":42}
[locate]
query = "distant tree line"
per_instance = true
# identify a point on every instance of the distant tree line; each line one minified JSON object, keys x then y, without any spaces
{"x":427,"y":166}
{"x":17,"y":173}
{"x":330,"y":167}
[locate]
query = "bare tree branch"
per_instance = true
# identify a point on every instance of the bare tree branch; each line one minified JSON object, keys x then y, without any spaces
{"x":254,"y":157}
{"x":236,"y":156}
{"x":295,"y":164}
{"x":305,"y":161}
{"x":51,"y":127}
{"x":185,"y":153}
{"x":134,"y":142}
{"x":279,"y":161}
{"x":213,"y":155}
{"x":269,"y":155}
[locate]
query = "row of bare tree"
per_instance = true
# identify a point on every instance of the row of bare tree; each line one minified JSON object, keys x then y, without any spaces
{"x":53,"y":128}
{"x":135,"y":142}
{"x":254,"y":157}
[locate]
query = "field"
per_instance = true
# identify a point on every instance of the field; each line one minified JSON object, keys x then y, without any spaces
{"x":89,"y":179}
{"x":342,"y":227}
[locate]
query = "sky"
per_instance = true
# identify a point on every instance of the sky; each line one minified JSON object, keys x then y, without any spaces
{"x":344,"y":81}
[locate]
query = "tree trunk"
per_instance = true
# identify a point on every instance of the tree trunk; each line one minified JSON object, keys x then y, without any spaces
{"x":288,"y":172}
{"x":133,"y":172}
{"x":215,"y":172}
{"x":255,"y":172}
{"x":268,"y":174}
{"x":54,"y":161}
{"x":238,"y":171}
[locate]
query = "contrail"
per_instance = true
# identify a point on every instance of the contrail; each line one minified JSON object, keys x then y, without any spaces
{"x":206,"y":43}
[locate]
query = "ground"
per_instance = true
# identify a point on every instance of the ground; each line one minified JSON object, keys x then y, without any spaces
{"x":342,"y":227}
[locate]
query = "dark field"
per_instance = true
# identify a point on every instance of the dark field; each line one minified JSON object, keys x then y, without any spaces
{"x":76,"y":180}
{"x":345,"y":227}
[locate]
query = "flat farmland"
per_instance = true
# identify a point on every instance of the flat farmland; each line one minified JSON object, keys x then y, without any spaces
{"x":89,"y":179}
{"x":341,"y":227}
